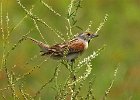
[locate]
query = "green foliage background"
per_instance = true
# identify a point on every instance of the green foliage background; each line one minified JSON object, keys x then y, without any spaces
{"x":121,"y":34}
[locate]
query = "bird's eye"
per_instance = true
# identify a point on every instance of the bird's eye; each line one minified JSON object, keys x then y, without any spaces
{"x":88,"y":34}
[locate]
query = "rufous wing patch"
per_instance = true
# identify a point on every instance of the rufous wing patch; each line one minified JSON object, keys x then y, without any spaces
{"x":76,"y":46}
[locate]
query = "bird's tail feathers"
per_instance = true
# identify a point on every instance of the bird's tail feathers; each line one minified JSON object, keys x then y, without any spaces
{"x":42,"y":45}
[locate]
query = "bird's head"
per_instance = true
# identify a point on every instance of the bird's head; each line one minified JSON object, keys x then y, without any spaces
{"x":87,"y":36}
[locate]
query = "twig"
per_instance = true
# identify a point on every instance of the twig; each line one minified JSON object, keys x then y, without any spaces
{"x":111,"y":84}
{"x":44,"y":85}
{"x":50,"y":8}
{"x":35,"y":23}
{"x":24,"y":94}
{"x":40,"y":20}
{"x":90,"y":57}
{"x":28,"y":73}
{"x":101,"y":24}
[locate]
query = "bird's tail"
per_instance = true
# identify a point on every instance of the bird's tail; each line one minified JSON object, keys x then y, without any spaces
{"x":44,"y":47}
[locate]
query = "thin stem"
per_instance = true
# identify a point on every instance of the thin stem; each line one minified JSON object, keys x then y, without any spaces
{"x":69,"y":14}
{"x":73,"y":79}
{"x":32,"y":16}
{"x":101,"y":24}
{"x":28,"y":73}
{"x":46,"y":83}
{"x":111,"y":84}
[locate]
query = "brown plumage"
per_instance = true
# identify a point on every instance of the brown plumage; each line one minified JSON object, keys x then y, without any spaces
{"x":69,"y":50}
{"x":66,"y":48}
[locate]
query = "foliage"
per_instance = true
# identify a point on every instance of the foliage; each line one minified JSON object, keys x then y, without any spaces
{"x":64,"y":81}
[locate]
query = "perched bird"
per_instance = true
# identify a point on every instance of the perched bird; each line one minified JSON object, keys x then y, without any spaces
{"x":69,"y":50}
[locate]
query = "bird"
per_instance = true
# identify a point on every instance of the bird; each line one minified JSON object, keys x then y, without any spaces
{"x":68,"y":50}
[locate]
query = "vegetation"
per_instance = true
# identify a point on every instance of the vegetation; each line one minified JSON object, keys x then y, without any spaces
{"x":24,"y":74}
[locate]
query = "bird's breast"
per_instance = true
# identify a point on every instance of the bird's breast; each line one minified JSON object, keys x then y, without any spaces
{"x":86,"y":45}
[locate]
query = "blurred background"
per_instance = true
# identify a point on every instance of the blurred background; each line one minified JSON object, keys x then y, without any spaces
{"x":121,"y":34}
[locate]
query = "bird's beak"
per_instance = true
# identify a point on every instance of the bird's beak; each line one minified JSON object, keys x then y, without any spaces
{"x":93,"y":36}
